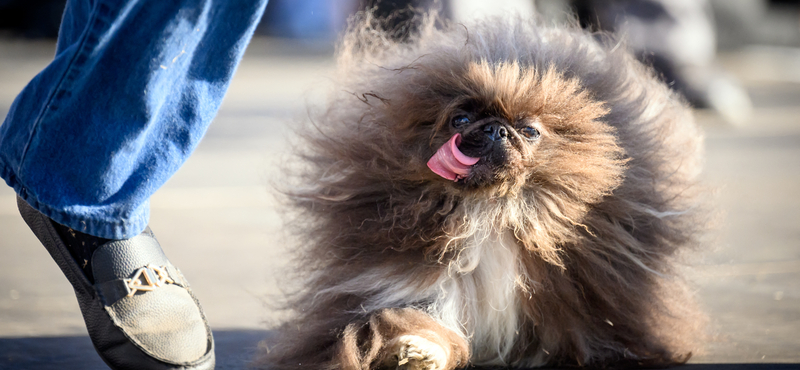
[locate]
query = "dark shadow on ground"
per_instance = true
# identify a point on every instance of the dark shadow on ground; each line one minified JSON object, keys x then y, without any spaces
{"x":739,"y":367}
{"x":235,"y":349}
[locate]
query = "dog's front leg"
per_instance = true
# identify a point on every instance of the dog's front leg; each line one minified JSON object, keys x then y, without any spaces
{"x":401,"y":338}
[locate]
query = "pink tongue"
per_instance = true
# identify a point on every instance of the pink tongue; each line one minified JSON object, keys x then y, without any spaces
{"x":449,"y":162}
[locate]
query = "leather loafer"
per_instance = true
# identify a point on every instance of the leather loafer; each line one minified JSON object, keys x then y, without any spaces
{"x":140,"y":311}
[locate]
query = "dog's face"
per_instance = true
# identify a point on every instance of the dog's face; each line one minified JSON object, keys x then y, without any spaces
{"x":529,"y":130}
{"x":504,"y":144}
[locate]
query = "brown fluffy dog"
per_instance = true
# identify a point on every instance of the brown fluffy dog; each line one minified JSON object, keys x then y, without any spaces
{"x":556,"y":247}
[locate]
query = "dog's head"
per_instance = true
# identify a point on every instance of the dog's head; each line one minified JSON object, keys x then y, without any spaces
{"x":508,"y":128}
{"x":508,"y":124}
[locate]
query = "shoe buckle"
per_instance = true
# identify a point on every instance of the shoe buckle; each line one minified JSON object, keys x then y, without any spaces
{"x":147,"y":279}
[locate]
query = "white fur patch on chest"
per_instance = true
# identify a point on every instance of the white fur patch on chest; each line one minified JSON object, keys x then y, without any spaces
{"x":478,"y":296}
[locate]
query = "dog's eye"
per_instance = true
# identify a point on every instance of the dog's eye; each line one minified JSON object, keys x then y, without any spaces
{"x":530,"y":132}
{"x":460,"y":121}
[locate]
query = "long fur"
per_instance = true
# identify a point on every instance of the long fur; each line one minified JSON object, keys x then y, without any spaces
{"x":567,"y":259}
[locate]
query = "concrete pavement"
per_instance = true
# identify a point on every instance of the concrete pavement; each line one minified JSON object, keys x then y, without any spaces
{"x":218,"y":221}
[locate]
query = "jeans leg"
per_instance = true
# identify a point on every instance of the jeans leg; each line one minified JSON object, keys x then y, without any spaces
{"x":128,"y":96}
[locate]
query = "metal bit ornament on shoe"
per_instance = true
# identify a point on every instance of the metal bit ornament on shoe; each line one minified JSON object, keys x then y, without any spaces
{"x":147,"y":279}
{"x":449,"y":162}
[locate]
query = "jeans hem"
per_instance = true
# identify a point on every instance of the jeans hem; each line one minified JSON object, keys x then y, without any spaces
{"x":122,"y":229}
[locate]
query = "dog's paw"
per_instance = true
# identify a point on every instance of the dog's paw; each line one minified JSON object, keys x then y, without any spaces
{"x":411,"y":352}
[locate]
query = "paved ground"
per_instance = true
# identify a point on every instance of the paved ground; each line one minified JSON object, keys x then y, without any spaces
{"x":219,"y":223}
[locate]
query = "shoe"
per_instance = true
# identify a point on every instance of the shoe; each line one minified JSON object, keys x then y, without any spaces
{"x":140,"y":311}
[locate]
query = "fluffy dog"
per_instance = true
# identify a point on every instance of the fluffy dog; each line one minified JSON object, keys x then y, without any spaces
{"x":496,"y":193}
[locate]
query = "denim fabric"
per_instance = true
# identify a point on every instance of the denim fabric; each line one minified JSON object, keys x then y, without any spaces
{"x":131,"y":91}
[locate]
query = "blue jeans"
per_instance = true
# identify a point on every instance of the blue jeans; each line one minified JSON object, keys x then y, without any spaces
{"x":130,"y":93}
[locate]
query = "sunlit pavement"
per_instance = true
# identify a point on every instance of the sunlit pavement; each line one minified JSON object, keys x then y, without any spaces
{"x":218,"y":219}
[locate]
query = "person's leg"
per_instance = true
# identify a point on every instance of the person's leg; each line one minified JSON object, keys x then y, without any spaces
{"x":678,"y":38}
{"x":127,"y":98}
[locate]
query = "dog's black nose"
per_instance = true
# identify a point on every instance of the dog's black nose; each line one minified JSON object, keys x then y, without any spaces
{"x":495,"y":131}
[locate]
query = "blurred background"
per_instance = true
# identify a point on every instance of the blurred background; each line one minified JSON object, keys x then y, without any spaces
{"x":736,"y":61}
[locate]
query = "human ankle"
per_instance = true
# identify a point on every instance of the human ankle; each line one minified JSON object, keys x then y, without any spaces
{"x":81,"y":246}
